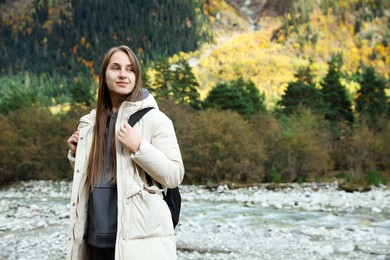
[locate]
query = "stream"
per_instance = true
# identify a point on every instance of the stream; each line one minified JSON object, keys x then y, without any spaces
{"x":315,"y":221}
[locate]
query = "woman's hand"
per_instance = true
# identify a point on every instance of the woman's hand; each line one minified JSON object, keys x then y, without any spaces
{"x":72,"y":142}
{"x":129,"y":138}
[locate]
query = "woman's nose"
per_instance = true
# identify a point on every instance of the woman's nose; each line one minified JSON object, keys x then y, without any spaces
{"x":122,"y":73}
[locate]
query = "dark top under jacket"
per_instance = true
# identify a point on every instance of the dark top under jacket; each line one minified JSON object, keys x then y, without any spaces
{"x":103,"y":202}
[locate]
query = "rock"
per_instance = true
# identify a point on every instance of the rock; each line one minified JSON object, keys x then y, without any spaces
{"x":220,"y":189}
{"x":351,"y":187}
{"x":278,"y":206}
{"x":34,"y":207}
{"x":346,"y":248}
{"x":325,"y":250}
{"x":224,"y":227}
{"x":365,"y":222}
{"x":41,"y":224}
{"x":9,"y":236}
{"x":264,"y":204}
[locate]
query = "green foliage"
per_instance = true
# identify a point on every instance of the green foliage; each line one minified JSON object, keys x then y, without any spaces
{"x":23,"y":90}
{"x":268,"y":131}
{"x":366,"y":9}
{"x":14,"y":95}
{"x":297,"y":146}
{"x":184,"y":85}
{"x":304,"y":146}
{"x":176,"y":82}
{"x":144,"y":76}
{"x":362,"y":153}
{"x":161,"y":87}
{"x":73,"y":42}
{"x":300,"y":12}
{"x":82,"y":91}
{"x":348,"y":177}
{"x":237,"y":95}
{"x":375,"y":177}
{"x":367,"y":150}
{"x":219,"y":146}
{"x":301,"y":92}
{"x":33,"y":144}
{"x":338,"y":105}
{"x":296,"y":17}
{"x":274,"y":175}
{"x":372,"y":102}
{"x":382,"y":151}
{"x":300,"y":180}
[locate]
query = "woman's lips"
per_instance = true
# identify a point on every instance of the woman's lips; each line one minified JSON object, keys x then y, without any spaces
{"x":122,"y":83}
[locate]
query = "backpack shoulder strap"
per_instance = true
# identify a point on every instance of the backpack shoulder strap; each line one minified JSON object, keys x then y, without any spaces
{"x":134,"y":118}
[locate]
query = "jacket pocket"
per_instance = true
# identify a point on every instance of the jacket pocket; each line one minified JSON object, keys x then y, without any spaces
{"x":149,"y":216}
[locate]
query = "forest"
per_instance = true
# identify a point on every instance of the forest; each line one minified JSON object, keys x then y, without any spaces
{"x":277,"y":104}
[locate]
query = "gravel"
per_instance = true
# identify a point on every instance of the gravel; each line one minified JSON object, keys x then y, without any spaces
{"x":310,"y":221}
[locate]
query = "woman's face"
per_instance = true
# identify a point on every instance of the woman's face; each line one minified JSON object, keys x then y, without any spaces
{"x":120,"y":76}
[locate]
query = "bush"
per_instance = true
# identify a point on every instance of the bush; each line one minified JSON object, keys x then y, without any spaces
{"x":298,"y":146}
{"x":274,"y":175}
{"x":34,"y":144}
{"x":220,"y":146}
{"x":375,"y":177}
{"x":30,"y":147}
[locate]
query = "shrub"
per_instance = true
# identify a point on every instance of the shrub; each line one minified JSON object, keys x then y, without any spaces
{"x":298,"y":146}
{"x":375,"y":177}
{"x":220,"y":146}
{"x":274,"y":175}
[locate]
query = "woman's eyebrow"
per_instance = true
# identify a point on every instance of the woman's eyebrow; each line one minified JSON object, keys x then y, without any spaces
{"x":118,"y":64}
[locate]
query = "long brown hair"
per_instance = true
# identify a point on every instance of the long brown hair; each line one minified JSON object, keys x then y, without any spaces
{"x":104,"y":106}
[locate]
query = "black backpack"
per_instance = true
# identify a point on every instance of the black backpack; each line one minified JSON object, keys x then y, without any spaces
{"x":172,"y":198}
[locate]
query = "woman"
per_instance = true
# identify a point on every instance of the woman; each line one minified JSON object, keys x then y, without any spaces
{"x":115,"y":214}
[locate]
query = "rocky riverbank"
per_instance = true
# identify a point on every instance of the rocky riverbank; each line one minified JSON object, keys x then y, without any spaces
{"x":311,"y":221}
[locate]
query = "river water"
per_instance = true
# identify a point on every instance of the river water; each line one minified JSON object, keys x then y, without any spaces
{"x":311,"y":221}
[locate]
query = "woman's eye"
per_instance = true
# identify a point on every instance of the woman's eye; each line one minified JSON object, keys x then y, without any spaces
{"x":115,"y":68}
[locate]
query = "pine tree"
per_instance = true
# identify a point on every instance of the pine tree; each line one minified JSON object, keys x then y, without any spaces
{"x":184,"y":85}
{"x":252,"y":93}
{"x":371,"y":101}
{"x":176,"y":82}
{"x":337,"y":104}
{"x":226,"y":97}
{"x":142,"y":25}
{"x":302,"y":92}
{"x":81,"y":91}
{"x":161,"y":85}
{"x":236,"y":95}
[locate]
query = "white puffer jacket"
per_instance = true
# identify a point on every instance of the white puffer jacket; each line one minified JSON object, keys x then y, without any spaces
{"x":145,"y":229}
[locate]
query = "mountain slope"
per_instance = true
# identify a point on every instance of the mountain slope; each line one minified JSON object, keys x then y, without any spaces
{"x":269,"y":58}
